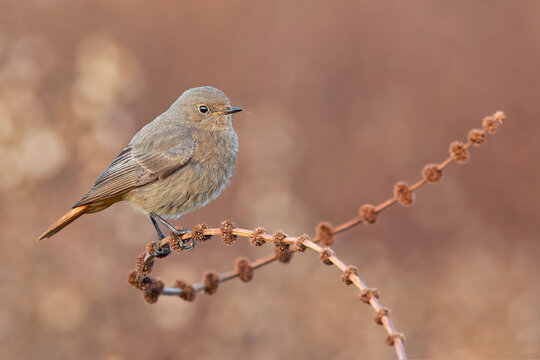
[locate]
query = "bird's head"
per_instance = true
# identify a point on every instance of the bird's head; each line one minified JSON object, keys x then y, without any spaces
{"x":207,"y":107}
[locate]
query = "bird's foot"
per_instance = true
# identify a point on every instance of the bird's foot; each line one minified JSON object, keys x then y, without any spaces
{"x":160,"y":251}
{"x":187,"y":244}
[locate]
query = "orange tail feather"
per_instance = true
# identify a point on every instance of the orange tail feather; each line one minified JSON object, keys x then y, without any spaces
{"x":64,"y":221}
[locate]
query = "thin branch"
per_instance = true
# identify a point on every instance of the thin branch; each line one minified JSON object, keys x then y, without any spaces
{"x":403,"y":194}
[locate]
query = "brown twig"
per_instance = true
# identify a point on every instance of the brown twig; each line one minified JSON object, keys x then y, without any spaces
{"x":403,"y":194}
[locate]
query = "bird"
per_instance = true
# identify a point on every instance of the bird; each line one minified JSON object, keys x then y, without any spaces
{"x":175,"y":164}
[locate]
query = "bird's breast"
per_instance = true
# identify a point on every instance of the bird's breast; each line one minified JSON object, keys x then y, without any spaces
{"x":195,"y":184}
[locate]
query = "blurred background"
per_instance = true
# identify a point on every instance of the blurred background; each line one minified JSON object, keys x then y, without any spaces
{"x":342,"y":100}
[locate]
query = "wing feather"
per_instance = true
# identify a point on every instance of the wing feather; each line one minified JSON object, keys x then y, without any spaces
{"x":136,"y":166}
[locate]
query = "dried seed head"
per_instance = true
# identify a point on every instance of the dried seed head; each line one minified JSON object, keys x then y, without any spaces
{"x":325,"y":254}
{"x":158,"y":251}
{"x":283,"y":256}
{"x":197,"y":233}
{"x":211,"y":282}
{"x":142,"y":284}
{"x":151,"y":295}
{"x":256,"y":237}
{"x":143,"y":267}
{"x":368,"y":213}
{"x":346,"y":276}
{"x":149,"y":249}
{"x":391,"y":339}
{"x":188,"y":292}
{"x":325,"y":233}
{"x":499,"y":116}
{"x":243,"y":269}
{"x":432,"y":173}
{"x":299,"y":243}
{"x":175,"y":243}
{"x":490,"y":124}
{"x":367,"y":294}
{"x":227,"y":232}
{"x":476,"y":137}
{"x":279,"y":241}
{"x":145,"y":283}
{"x":458,"y":151}
{"x":380,"y":314}
{"x":132,"y":276}
{"x":403,"y":194}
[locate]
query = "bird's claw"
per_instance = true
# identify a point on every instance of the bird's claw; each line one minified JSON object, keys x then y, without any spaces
{"x":187,"y":244}
{"x":160,"y":251}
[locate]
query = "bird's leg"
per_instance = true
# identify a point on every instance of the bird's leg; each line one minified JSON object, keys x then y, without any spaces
{"x":186,"y":245}
{"x":159,"y":251}
{"x":158,"y":229}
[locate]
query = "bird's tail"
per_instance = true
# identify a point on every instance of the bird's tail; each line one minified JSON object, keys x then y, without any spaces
{"x":64,"y":221}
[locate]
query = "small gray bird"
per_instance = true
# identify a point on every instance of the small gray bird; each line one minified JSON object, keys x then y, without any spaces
{"x":177,"y":163}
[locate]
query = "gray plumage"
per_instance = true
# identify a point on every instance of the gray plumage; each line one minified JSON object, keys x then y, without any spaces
{"x":178,"y":162}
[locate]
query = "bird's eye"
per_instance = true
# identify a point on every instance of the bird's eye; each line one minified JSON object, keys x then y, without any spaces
{"x":203,"y":109}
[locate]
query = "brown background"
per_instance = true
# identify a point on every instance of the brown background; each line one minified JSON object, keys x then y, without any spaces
{"x":343,"y":99}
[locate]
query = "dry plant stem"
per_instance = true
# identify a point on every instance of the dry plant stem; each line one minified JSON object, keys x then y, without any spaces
{"x":312,"y":245}
{"x":458,"y":154}
{"x":373,"y":300}
{"x":339,"y":228}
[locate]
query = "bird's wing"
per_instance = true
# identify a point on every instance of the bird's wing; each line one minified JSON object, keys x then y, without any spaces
{"x":138,"y":165}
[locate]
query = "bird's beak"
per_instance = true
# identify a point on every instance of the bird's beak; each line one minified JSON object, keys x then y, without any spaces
{"x":232,"y":110}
